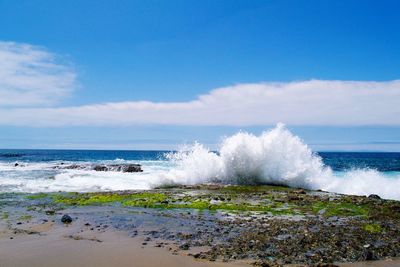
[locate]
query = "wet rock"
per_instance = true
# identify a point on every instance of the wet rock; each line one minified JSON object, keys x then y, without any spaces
{"x":293,"y":197}
{"x":197,"y":255}
{"x":368,"y":255}
{"x":373,"y":196}
{"x":100,"y":168}
{"x":322,"y":211}
{"x":318,"y":228}
{"x":159,"y":244}
{"x":379,"y":244}
{"x":103,"y":167}
{"x":66,"y":219}
{"x":50,"y":212}
{"x":133,"y":168}
{"x":184,"y":246}
{"x":300,"y":191}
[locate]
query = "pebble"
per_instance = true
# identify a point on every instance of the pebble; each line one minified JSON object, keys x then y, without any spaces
{"x":66,"y":219}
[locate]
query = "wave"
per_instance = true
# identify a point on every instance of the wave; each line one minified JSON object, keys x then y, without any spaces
{"x":75,"y":181}
{"x":34,"y":177}
{"x":275,"y":157}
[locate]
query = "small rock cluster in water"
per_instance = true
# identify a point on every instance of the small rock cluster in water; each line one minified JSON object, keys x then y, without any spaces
{"x":268,"y":225}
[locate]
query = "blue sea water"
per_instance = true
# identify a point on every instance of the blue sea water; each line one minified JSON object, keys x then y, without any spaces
{"x":274,"y":157}
{"x":338,"y":161}
{"x":43,"y":155}
{"x":36,"y":170}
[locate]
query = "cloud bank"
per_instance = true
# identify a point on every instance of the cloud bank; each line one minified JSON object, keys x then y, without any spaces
{"x":31,"y":76}
{"x":313,"y":102}
{"x":32,"y":80}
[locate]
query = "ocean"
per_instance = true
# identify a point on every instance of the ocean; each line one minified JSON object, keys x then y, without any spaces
{"x":275,"y":157}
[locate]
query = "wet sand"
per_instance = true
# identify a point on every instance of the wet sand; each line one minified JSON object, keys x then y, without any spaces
{"x":59,"y":246}
{"x":107,"y":232}
{"x":115,"y":249}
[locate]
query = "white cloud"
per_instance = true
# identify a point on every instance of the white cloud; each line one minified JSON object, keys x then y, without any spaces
{"x":32,"y":76}
{"x":313,"y":102}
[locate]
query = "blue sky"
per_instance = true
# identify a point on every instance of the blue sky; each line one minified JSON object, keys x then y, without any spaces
{"x":163,"y":52}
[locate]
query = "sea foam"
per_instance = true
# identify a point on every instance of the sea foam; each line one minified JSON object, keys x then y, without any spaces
{"x":274,"y":157}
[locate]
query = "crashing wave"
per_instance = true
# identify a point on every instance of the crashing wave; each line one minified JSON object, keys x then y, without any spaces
{"x":275,"y":157}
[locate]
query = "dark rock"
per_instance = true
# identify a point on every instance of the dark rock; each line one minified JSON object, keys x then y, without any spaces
{"x":184,"y":246}
{"x":103,"y":168}
{"x":100,"y":168}
{"x":300,"y":191}
{"x":196,"y":255}
{"x":66,"y":219}
{"x":368,"y":255}
{"x":293,"y":197}
{"x":373,"y":196}
{"x":16,"y":164}
{"x":50,"y":212}
{"x":133,"y":168}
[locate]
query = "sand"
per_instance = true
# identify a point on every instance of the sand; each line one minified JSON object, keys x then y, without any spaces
{"x":60,"y":246}
{"x":53,"y":244}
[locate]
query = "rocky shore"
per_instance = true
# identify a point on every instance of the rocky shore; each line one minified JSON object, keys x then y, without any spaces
{"x":262,"y":225}
{"x":102,"y":167}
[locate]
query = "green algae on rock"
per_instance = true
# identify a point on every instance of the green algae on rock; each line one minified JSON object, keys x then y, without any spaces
{"x":373,"y":228}
{"x":171,"y":200}
{"x":269,"y":224}
{"x":328,"y":208}
{"x":273,"y":200}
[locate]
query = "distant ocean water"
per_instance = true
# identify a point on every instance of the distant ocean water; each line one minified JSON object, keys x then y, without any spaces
{"x":275,"y":157}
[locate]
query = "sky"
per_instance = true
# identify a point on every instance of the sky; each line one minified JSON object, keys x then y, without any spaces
{"x":158,"y":74}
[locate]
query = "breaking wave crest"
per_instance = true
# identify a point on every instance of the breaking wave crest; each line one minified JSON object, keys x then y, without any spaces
{"x":275,"y":157}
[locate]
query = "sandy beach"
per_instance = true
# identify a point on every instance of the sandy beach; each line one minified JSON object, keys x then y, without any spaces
{"x":58,"y":245}
{"x":204,"y":225}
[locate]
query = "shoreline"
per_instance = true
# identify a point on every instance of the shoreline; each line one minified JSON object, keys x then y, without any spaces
{"x":54,"y":247}
{"x":203,"y":225}
{"x":58,"y":245}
